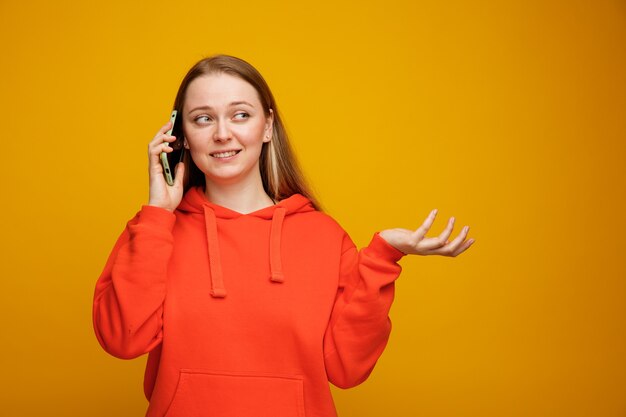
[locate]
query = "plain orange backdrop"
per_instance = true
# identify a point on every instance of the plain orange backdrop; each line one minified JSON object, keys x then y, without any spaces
{"x":510,"y":116}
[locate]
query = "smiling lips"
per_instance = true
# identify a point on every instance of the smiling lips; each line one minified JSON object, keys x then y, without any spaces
{"x":226,"y":154}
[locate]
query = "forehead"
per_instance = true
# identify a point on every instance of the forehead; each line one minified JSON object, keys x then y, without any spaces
{"x":219,"y":90}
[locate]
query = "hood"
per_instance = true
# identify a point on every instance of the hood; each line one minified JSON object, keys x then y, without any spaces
{"x":194,"y":201}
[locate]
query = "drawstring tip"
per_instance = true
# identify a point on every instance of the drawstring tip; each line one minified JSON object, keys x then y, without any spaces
{"x":277,"y":277}
{"x":218,"y":293}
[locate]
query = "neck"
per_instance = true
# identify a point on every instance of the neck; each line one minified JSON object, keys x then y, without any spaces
{"x":242,"y":197}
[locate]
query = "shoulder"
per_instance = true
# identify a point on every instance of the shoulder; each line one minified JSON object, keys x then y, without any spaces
{"x":319,"y":220}
{"x":322,"y":228}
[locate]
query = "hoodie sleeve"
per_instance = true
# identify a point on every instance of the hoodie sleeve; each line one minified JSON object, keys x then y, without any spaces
{"x":129,"y":295}
{"x":359,"y":326}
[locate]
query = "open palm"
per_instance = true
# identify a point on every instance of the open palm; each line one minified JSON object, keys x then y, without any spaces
{"x":415,"y":242}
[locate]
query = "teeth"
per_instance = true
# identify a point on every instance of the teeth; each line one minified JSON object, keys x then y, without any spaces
{"x":223,"y":154}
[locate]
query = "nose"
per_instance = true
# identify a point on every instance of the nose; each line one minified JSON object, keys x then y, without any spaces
{"x":222,"y":132}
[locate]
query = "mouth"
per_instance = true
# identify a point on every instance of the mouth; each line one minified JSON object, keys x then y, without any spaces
{"x":225,"y":154}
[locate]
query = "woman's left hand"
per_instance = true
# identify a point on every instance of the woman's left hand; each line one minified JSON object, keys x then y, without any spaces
{"x":414,"y":241}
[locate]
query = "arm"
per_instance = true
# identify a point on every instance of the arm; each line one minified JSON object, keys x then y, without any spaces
{"x":128,"y":301}
{"x":359,"y":326}
{"x":129,"y":295}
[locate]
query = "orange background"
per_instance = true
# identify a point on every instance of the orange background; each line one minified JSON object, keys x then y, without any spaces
{"x":511,"y":117}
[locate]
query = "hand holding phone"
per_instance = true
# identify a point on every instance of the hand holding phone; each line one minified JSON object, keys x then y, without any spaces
{"x":161,"y":194}
{"x":169,"y":160}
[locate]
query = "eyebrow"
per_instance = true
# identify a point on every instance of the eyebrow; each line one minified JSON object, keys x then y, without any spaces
{"x":233,"y":103}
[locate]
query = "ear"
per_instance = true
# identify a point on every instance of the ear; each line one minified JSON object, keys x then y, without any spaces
{"x":185,"y":144}
{"x":269,"y":126}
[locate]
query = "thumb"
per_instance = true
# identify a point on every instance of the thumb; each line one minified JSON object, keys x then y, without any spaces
{"x":180,"y":173}
{"x":418,"y":235}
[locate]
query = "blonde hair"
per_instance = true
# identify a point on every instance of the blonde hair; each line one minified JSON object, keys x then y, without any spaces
{"x":280,"y":172}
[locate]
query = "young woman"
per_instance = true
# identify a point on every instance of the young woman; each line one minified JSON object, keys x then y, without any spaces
{"x":247,"y":298}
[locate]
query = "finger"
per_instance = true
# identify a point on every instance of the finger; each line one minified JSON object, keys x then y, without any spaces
{"x":430,"y":243}
{"x":154,"y":152}
{"x":154,"y":164}
{"x":451,"y":248}
{"x":463,"y":247}
{"x":164,"y":128}
{"x":161,"y":135}
{"x":159,"y":139}
{"x":156,"y":149}
{"x":443,"y":237}
{"x":425,"y":227}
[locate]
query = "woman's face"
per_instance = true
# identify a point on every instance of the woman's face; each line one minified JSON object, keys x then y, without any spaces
{"x":225,"y":128}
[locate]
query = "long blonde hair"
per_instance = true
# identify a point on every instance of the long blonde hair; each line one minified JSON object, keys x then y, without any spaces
{"x":280,"y":172}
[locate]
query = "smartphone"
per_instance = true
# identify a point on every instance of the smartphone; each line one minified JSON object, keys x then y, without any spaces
{"x":171,"y":159}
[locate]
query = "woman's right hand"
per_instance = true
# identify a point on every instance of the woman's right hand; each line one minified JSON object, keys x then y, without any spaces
{"x":161,"y":194}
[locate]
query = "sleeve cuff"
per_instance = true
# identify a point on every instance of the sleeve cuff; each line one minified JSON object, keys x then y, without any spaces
{"x":382,"y":247}
{"x":153,"y":215}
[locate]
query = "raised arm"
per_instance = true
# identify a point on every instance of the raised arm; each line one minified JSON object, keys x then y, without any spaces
{"x":129,"y":295}
{"x":359,"y":327}
{"x":128,"y":300}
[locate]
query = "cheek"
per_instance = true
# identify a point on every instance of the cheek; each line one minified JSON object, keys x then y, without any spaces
{"x":196,"y":140}
{"x":251,"y":134}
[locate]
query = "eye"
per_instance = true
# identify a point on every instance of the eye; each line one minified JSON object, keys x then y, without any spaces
{"x":202,"y":119}
{"x":244,"y":114}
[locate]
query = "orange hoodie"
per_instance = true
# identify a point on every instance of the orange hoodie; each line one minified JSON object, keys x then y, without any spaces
{"x":245,"y":314}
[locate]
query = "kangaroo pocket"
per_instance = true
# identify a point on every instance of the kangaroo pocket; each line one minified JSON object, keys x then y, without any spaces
{"x":202,"y":393}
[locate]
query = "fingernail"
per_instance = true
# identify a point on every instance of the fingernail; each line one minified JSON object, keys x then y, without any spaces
{"x":466,"y":228}
{"x":434,"y":211}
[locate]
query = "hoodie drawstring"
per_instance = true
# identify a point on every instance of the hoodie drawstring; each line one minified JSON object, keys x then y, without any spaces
{"x":276,"y":267}
{"x":215,"y":265}
{"x":217,"y":282}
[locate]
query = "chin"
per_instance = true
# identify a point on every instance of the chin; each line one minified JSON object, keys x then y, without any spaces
{"x":228,"y":178}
